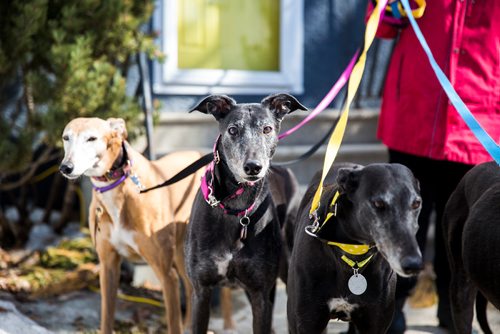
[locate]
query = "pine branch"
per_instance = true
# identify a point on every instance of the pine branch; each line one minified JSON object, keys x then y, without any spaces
{"x":28,"y":172}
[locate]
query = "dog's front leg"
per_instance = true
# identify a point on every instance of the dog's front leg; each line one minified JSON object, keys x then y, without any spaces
{"x":262,"y":310}
{"x":171,"y":297}
{"x":227,"y":309}
{"x":109,"y":277}
{"x":201,"y":308}
{"x":188,"y":288}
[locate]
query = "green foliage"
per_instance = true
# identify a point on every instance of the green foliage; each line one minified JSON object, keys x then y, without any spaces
{"x":70,"y":59}
{"x":69,"y":254}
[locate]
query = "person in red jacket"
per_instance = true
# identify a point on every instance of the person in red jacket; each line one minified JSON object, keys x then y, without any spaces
{"x":421,"y":128}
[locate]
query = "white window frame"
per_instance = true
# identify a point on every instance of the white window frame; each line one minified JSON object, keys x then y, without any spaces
{"x":169,"y":79}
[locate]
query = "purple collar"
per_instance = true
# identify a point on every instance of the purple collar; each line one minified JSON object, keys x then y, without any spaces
{"x":117,"y":175}
{"x":112,"y":185}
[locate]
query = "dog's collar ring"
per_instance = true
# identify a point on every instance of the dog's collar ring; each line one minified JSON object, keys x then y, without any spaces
{"x":313,"y":228}
{"x":244,"y":221}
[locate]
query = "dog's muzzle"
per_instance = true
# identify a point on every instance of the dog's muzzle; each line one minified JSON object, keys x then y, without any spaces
{"x":66,"y":168}
{"x":412,"y":265}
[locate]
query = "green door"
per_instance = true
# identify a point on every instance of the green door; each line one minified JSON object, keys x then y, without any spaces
{"x":229,"y":34}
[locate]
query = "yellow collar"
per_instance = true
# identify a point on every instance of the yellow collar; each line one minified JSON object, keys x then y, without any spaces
{"x":347,"y":248}
{"x":353,"y":263}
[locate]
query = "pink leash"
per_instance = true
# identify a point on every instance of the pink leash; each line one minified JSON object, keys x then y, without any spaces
{"x":327,"y":99}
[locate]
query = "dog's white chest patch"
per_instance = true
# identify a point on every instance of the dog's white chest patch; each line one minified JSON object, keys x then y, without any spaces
{"x":123,"y":239}
{"x":341,"y":305}
{"x":222,"y":262}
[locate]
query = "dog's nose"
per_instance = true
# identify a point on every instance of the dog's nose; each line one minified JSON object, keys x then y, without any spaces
{"x":66,"y":168}
{"x":252,"y":167}
{"x":412,"y":265}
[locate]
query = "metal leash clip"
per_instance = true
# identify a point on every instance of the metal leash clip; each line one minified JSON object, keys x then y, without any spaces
{"x":313,"y":228}
{"x":211,"y":200}
{"x":135,"y":179}
{"x":216,"y":157}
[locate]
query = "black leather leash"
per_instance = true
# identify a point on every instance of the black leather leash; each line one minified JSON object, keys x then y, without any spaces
{"x":201,"y":162}
{"x":206,"y":159}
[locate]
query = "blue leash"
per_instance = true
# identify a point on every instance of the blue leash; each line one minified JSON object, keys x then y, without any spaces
{"x":484,"y":138}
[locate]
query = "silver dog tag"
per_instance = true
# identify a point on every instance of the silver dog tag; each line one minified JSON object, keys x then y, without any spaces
{"x":137,"y":182}
{"x":357,"y":284}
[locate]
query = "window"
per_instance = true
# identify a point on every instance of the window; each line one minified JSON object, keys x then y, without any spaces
{"x":229,"y":46}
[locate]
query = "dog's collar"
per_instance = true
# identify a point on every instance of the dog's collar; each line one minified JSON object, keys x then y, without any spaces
{"x":118,"y":172}
{"x":315,"y":227}
{"x":207,"y":189}
{"x":118,"y":175}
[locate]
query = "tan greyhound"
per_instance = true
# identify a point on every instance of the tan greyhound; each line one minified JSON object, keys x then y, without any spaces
{"x":124,"y":223}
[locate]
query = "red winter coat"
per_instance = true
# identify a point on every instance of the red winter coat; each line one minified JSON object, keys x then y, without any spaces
{"x":416,"y":116}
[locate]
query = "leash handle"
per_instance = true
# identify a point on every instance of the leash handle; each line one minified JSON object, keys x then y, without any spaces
{"x":483,"y":137}
{"x":354,"y":82}
{"x":201,"y":162}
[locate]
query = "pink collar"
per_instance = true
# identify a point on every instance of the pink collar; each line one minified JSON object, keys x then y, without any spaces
{"x":208,"y":194}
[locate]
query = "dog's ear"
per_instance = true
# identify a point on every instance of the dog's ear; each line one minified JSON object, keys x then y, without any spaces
{"x":281,"y":104}
{"x":118,"y":125}
{"x":217,"y":105}
{"x":348,"y":179}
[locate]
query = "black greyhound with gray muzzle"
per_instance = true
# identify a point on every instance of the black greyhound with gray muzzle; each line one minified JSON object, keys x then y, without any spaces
{"x":234,"y":233}
{"x":343,"y":267}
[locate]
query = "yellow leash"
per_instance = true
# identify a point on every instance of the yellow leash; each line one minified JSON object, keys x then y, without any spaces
{"x":353,"y":85}
{"x":134,"y":299}
{"x":336,"y":140}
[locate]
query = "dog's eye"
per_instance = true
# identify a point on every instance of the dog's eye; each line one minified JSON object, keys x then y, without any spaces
{"x":416,"y":204}
{"x":65,"y":138}
{"x":92,"y":138}
{"x":379,"y":204}
{"x":267,"y":129}
{"x":233,"y":131}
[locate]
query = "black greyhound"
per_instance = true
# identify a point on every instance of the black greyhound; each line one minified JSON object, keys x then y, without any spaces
{"x":472,"y":239}
{"x":233,"y":235}
{"x":378,"y":207}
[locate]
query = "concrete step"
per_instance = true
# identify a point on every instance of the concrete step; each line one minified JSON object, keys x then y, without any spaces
{"x":363,"y":154}
{"x":180,"y":131}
